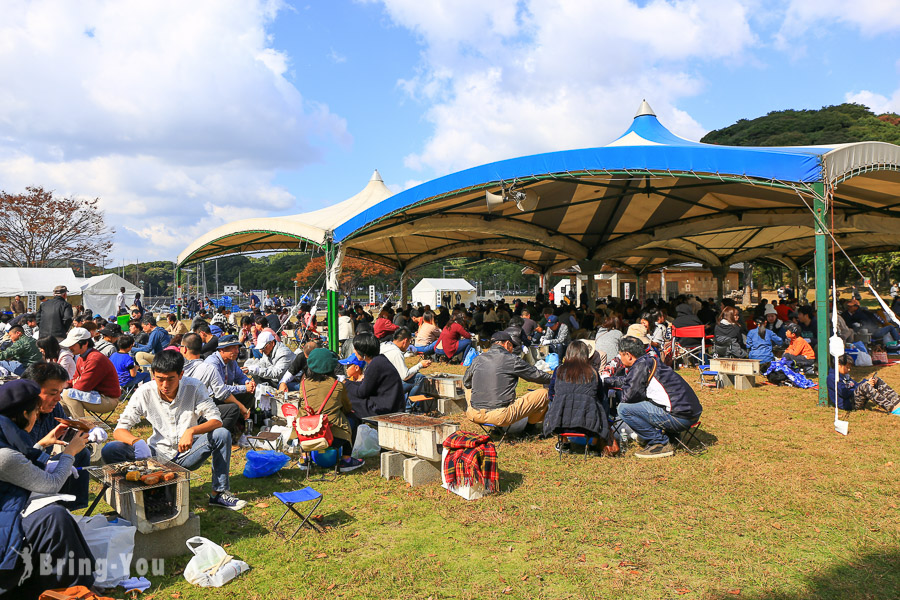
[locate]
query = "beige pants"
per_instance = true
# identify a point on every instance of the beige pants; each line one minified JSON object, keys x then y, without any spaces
{"x":76,"y":408}
{"x":532,"y":405}
{"x":143,"y":358}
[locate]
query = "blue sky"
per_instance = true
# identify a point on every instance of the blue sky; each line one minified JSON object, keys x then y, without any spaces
{"x":184,"y":116}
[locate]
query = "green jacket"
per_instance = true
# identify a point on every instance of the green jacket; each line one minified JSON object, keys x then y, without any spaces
{"x":24,"y":350}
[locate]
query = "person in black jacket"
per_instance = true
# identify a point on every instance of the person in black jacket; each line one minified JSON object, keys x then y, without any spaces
{"x":54,"y":317}
{"x":575,"y":397}
{"x":378,"y":390}
{"x":655,"y":400}
{"x":728,"y":340}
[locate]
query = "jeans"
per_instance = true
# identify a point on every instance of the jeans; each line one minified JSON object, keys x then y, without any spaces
{"x":413,"y":387}
{"x":77,"y":487}
{"x":891,"y":329}
{"x":216,"y":443}
{"x":13,"y":366}
{"x":461,"y":349}
{"x":652,"y":422}
{"x":424,"y":349}
{"x":141,"y":377}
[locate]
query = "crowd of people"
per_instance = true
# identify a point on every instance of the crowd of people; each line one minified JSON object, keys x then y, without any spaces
{"x":199,"y":385}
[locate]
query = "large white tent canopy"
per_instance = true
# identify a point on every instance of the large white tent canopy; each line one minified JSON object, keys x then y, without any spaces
{"x":21,"y":280}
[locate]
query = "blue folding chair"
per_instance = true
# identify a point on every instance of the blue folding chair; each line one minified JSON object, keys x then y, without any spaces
{"x":289,"y":499}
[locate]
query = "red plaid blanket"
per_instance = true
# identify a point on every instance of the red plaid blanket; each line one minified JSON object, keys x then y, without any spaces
{"x":471,"y":458}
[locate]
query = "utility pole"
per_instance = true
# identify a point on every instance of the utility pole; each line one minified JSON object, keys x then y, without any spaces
{"x":217,"y":278}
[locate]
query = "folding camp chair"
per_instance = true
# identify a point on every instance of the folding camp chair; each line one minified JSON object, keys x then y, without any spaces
{"x":573,"y":438}
{"x":289,"y":499}
{"x":684,"y":439}
{"x":695,"y":351}
{"x":490,"y":428}
{"x":709,"y":378}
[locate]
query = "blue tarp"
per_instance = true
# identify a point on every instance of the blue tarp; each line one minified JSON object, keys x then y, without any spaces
{"x":656,"y":149}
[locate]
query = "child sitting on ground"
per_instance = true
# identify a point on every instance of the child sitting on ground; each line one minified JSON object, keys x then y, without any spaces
{"x":799,"y":349}
{"x":125,"y":366}
{"x":854,"y":396}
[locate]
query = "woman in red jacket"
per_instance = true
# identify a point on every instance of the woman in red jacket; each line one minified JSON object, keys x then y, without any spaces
{"x":454,"y":337}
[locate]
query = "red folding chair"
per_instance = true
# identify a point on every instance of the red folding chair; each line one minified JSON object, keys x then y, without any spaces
{"x":696,"y":351}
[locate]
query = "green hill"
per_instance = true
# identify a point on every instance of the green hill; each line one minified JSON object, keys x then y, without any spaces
{"x":829,"y":125}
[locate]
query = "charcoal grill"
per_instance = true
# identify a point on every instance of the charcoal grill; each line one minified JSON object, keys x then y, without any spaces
{"x":444,"y":385}
{"x":413,"y":434}
{"x":151,"y":507}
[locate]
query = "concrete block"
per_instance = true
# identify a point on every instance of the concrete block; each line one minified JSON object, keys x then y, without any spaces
{"x":417,"y":471}
{"x":166,"y":543}
{"x":392,"y":464}
{"x":451,"y":406}
{"x":738,"y":382}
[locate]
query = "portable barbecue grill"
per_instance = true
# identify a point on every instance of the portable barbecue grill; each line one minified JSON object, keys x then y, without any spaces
{"x":151,"y":506}
{"x":444,"y":385}
{"x":413,"y":434}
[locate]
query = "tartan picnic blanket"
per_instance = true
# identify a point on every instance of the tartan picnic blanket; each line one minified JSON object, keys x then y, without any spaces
{"x":471,"y":458}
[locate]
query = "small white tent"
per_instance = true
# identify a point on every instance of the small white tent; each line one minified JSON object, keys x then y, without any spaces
{"x":99,"y":293}
{"x":431,"y":291}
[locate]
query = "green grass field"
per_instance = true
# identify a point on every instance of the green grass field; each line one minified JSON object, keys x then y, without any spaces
{"x":780,"y":507}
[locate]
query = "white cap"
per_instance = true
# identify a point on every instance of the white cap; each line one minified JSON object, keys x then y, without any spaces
{"x":264,"y":338}
{"x":76,"y":336}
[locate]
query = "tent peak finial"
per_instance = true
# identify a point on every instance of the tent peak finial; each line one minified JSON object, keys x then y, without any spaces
{"x":376,"y":176}
{"x":644,"y":110}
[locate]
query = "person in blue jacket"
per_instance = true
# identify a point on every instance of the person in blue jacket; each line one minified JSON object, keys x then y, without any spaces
{"x":760,"y":342}
{"x":853,"y":395}
{"x":156,"y":343}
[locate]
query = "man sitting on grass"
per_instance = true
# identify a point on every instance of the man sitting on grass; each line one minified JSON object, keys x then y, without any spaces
{"x":852,"y":395}
{"x":174,"y":405}
{"x":493,"y":377}
{"x":22,"y":353}
{"x":656,"y":401}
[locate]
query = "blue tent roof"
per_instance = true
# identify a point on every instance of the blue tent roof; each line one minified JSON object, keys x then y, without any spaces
{"x":646,"y":146}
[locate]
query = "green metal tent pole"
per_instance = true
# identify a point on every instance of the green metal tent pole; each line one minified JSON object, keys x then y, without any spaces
{"x":177,"y":283}
{"x":331,"y":295}
{"x":822,"y":317}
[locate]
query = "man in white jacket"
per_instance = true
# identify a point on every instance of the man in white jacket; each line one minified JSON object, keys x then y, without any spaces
{"x":276,"y":358}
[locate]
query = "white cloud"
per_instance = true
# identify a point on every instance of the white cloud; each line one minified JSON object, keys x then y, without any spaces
{"x":507,"y":78}
{"x":869,"y":17}
{"x":878,"y":103}
{"x":171,"y":112}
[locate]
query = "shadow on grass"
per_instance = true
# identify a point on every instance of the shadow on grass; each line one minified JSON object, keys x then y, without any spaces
{"x":873,"y":576}
{"x":509,"y":481}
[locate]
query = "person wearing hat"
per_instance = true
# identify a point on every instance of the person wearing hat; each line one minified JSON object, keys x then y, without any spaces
{"x":187,"y":427}
{"x":639,"y":331}
{"x":773,"y":322}
{"x":22,"y":353}
{"x":233,"y":413}
{"x":655,"y":400}
{"x":224,"y":360}
{"x":54,"y":317}
{"x":556,"y":335}
{"x":320,"y":389}
{"x":29,"y":538}
{"x":276,"y":358}
{"x":157,"y":340}
{"x":95,"y":386}
{"x":492,"y":378}
{"x":105,"y":342}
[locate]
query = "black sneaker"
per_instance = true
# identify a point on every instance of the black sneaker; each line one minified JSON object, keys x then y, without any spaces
{"x":533,"y":429}
{"x":350,"y":464}
{"x":227,"y":500}
{"x":656,"y":451}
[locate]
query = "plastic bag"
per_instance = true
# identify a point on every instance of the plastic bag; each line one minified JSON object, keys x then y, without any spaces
{"x":862,"y":359}
{"x":552,"y":361}
{"x":109,"y":542}
{"x":471,"y":353}
{"x":366,"y":444}
{"x":211,"y":565}
{"x":262,"y":463}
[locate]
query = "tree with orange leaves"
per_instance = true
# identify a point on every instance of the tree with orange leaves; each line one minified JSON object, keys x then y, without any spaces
{"x":354,"y":273}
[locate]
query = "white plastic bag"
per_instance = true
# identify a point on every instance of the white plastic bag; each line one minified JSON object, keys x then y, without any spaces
{"x":211,"y":565}
{"x":862,"y":360}
{"x":112,"y":545}
{"x":366,"y":444}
